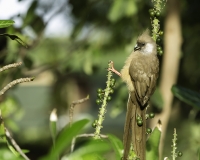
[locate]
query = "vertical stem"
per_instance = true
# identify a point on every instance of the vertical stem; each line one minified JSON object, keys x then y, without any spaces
{"x":102,"y":109}
{"x":170,"y":65}
{"x":174,"y":154}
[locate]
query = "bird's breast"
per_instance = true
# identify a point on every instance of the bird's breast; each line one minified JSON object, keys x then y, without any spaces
{"x":140,"y":67}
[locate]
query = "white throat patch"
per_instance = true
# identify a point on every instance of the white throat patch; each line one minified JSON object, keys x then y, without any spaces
{"x":148,"y":49}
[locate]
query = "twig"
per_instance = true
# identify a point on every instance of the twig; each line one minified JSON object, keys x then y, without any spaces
{"x":13,"y":83}
{"x":174,"y":147}
{"x":15,"y":145}
{"x":10,"y":66}
{"x":113,"y":69}
{"x":74,"y":103}
{"x":84,"y":135}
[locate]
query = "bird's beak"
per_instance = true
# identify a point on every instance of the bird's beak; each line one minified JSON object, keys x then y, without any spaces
{"x":137,"y":47}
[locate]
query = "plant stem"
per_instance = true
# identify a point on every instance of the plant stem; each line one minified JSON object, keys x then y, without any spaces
{"x":102,"y":109}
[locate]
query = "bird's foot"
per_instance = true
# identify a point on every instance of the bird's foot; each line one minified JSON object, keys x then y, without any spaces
{"x":113,"y":69}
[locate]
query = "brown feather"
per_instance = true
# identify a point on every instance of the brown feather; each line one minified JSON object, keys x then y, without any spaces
{"x":140,"y":73}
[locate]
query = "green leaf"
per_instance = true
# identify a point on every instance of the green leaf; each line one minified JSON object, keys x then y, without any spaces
{"x":6,"y":154}
{"x":116,"y":12}
{"x":37,"y":24}
{"x":87,"y":65}
{"x":2,"y":131}
{"x":16,"y":38}
{"x":3,"y":139}
{"x":12,"y":149}
{"x":131,"y":8}
{"x":116,"y":145}
{"x":30,"y":15}
{"x":121,"y":8}
{"x":28,"y":62}
{"x":94,"y":147}
{"x":93,"y":157}
{"x":8,"y":107}
{"x":186,"y":95}
{"x":152,"y":146}
{"x":53,"y":126}
{"x":6,"y":23}
{"x":64,"y":139}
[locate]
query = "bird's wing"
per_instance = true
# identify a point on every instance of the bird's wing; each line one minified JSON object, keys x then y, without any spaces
{"x":144,"y":73}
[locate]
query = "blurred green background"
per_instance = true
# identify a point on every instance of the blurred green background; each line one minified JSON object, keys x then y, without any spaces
{"x":70,"y":44}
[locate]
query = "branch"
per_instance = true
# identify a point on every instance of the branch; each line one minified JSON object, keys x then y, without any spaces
{"x":15,"y":145}
{"x":14,"y":65}
{"x":13,"y":83}
{"x":74,"y":103}
{"x":84,"y":135}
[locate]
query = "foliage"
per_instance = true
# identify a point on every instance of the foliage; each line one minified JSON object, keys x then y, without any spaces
{"x":63,"y":141}
{"x":152,"y":147}
{"x":121,"y":9}
{"x":186,"y":95}
{"x":101,"y":30}
{"x":6,"y":23}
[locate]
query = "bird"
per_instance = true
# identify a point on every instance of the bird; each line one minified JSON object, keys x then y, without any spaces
{"x":140,"y":73}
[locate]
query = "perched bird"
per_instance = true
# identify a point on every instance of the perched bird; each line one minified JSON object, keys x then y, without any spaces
{"x":140,"y":73}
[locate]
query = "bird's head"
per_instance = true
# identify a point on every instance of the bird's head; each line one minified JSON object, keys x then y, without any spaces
{"x":145,"y":44}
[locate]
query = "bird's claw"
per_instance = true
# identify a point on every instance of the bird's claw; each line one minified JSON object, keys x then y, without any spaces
{"x":112,"y":69}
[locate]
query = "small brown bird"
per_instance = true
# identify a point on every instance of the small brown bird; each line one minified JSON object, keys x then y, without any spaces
{"x":140,"y":73}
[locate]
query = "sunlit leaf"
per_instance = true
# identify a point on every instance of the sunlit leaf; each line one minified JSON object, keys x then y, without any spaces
{"x":12,"y":149}
{"x":94,"y":147}
{"x":6,"y":23}
{"x":6,"y":154}
{"x":186,"y":95}
{"x":86,"y":157}
{"x":64,"y":139}
{"x":152,"y":145}
{"x":121,"y":8}
{"x":8,"y":107}
{"x":87,"y":65}
{"x":198,"y":153}
{"x":3,"y":139}
{"x":131,"y":8}
{"x":116,"y":145}
{"x":116,"y":12}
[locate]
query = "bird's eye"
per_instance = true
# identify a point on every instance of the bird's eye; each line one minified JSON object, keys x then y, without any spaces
{"x":141,"y":44}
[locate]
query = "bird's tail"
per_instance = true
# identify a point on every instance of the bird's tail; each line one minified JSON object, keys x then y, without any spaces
{"x":135,"y":131}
